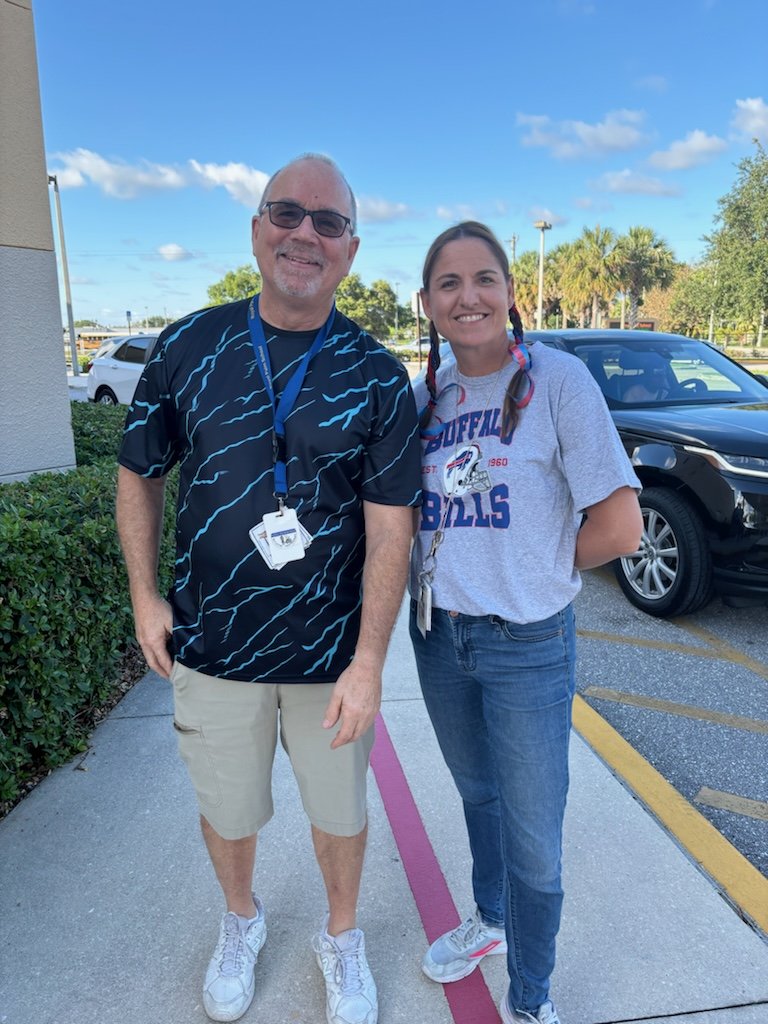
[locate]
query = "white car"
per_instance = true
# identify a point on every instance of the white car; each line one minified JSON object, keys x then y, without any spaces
{"x":113,"y":377}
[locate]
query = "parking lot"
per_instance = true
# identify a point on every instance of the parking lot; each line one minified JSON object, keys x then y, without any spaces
{"x":691,"y":696}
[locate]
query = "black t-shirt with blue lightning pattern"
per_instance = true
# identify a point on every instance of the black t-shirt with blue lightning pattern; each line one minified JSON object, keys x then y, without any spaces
{"x":352,"y":437}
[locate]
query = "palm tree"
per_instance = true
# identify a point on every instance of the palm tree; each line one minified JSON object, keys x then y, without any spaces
{"x":588,"y":273}
{"x":526,"y":277}
{"x":642,"y":260}
{"x":572,"y":297}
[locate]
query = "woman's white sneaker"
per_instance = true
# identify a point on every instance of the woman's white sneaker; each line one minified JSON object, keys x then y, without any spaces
{"x":457,"y":953}
{"x":546,"y":1014}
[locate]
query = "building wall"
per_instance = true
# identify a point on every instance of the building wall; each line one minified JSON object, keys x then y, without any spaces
{"x":35,"y":423}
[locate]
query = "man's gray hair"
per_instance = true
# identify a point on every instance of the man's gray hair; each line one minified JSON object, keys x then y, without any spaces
{"x":323,"y":159}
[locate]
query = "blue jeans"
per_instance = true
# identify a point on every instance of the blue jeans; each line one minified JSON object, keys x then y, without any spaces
{"x":500,"y":695}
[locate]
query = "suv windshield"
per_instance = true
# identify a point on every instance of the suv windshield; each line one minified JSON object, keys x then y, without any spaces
{"x":666,"y":372}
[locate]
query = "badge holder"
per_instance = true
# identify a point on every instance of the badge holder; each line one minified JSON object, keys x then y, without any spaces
{"x":424,"y":604}
{"x":425,"y":577}
{"x":280,"y":538}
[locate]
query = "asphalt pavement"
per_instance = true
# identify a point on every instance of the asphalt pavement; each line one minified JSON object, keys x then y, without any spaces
{"x":109,"y":908}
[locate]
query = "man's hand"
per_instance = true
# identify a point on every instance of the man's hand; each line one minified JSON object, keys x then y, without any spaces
{"x":356,"y":697}
{"x":154,"y":625}
{"x":139,"y":509}
{"x":355,"y":701}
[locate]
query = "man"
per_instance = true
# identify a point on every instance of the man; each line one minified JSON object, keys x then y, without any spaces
{"x":296,"y":437}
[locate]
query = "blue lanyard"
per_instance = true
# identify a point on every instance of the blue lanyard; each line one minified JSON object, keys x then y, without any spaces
{"x":284,"y":407}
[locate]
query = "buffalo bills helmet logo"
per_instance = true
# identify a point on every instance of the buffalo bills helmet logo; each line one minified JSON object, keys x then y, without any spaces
{"x":461,"y":473}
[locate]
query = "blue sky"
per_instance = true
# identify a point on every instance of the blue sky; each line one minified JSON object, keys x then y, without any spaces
{"x":163,"y":120}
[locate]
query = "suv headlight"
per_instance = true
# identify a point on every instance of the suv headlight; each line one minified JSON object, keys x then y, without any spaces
{"x":743,"y":465}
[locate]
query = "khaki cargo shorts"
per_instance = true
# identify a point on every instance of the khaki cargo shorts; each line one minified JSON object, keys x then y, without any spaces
{"x":227,"y":733}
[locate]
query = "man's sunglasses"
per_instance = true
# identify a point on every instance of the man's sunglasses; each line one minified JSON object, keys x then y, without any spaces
{"x":290,"y":215}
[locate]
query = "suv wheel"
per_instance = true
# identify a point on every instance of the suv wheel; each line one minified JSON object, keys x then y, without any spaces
{"x":671,"y":572}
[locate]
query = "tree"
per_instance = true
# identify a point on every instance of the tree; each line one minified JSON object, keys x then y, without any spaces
{"x":587,"y":274}
{"x":85,"y":323}
{"x":739,"y":246}
{"x":526,"y":277}
{"x":352,"y":298}
{"x":372,"y":308}
{"x":382,"y":309}
{"x":406,"y":320}
{"x":691,"y":301}
{"x":571,"y":291}
{"x":642,"y":260}
{"x":657,"y":301}
{"x":236,"y":284}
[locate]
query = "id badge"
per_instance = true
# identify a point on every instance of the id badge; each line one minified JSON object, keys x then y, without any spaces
{"x":270,"y":540}
{"x":424,"y":608}
{"x":283,"y":535}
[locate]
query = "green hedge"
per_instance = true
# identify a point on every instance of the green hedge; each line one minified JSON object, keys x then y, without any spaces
{"x":65,"y":617}
{"x":98,"y":430}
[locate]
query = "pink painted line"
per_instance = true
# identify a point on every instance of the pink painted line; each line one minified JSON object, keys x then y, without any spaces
{"x":469,"y":1000}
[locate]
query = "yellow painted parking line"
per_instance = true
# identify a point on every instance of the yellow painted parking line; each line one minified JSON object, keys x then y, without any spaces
{"x":716,"y":647}
{"x":637,"y":700}
{"x":732,"y":802}
{"x":656,"y":645}
{"x":726,"y":651}
{"x":739,"y":881}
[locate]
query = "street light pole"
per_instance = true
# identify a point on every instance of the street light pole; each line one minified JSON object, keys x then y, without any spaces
{"x":53,"y":180}
{"x":542,"y":226}
{"x":397,"y":285}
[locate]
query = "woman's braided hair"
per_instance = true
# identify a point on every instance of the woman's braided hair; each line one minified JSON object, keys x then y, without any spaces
{"x":471,"y":229}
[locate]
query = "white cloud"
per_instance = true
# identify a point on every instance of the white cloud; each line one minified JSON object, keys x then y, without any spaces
{"x":631,"y":183}
{"x":588,"y":203}
{"x":115,"y":178}
{"x":173,"y":252}
{"x":245,"y":184}
{"x":568,"y":140}
{"x":126,"y":181}
{"x":544,"y":213}
{"x":70,"y":177}
{"x":371,"y":210}
{"x":456,"y":213}
{"x":750,"y":118}
{"x":695,"y":149}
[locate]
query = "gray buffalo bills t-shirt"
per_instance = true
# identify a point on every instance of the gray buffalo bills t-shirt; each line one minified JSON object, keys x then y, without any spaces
{"x":511,"y":509}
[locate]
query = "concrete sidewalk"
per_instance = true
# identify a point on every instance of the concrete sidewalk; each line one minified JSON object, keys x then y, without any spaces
{"x":109,"y":909}
{"x":78,"y":386}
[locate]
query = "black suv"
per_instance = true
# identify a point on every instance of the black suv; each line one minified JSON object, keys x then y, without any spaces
{"x":695,"y":425}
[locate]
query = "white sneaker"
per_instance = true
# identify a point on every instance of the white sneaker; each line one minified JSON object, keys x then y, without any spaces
{"x":349,"y":986}
{"x":456,"y":954}
{"x":546,"y":1014}
{"x":228,"y":987}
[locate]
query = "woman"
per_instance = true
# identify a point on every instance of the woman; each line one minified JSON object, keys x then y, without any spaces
{"x":525,"y":482}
